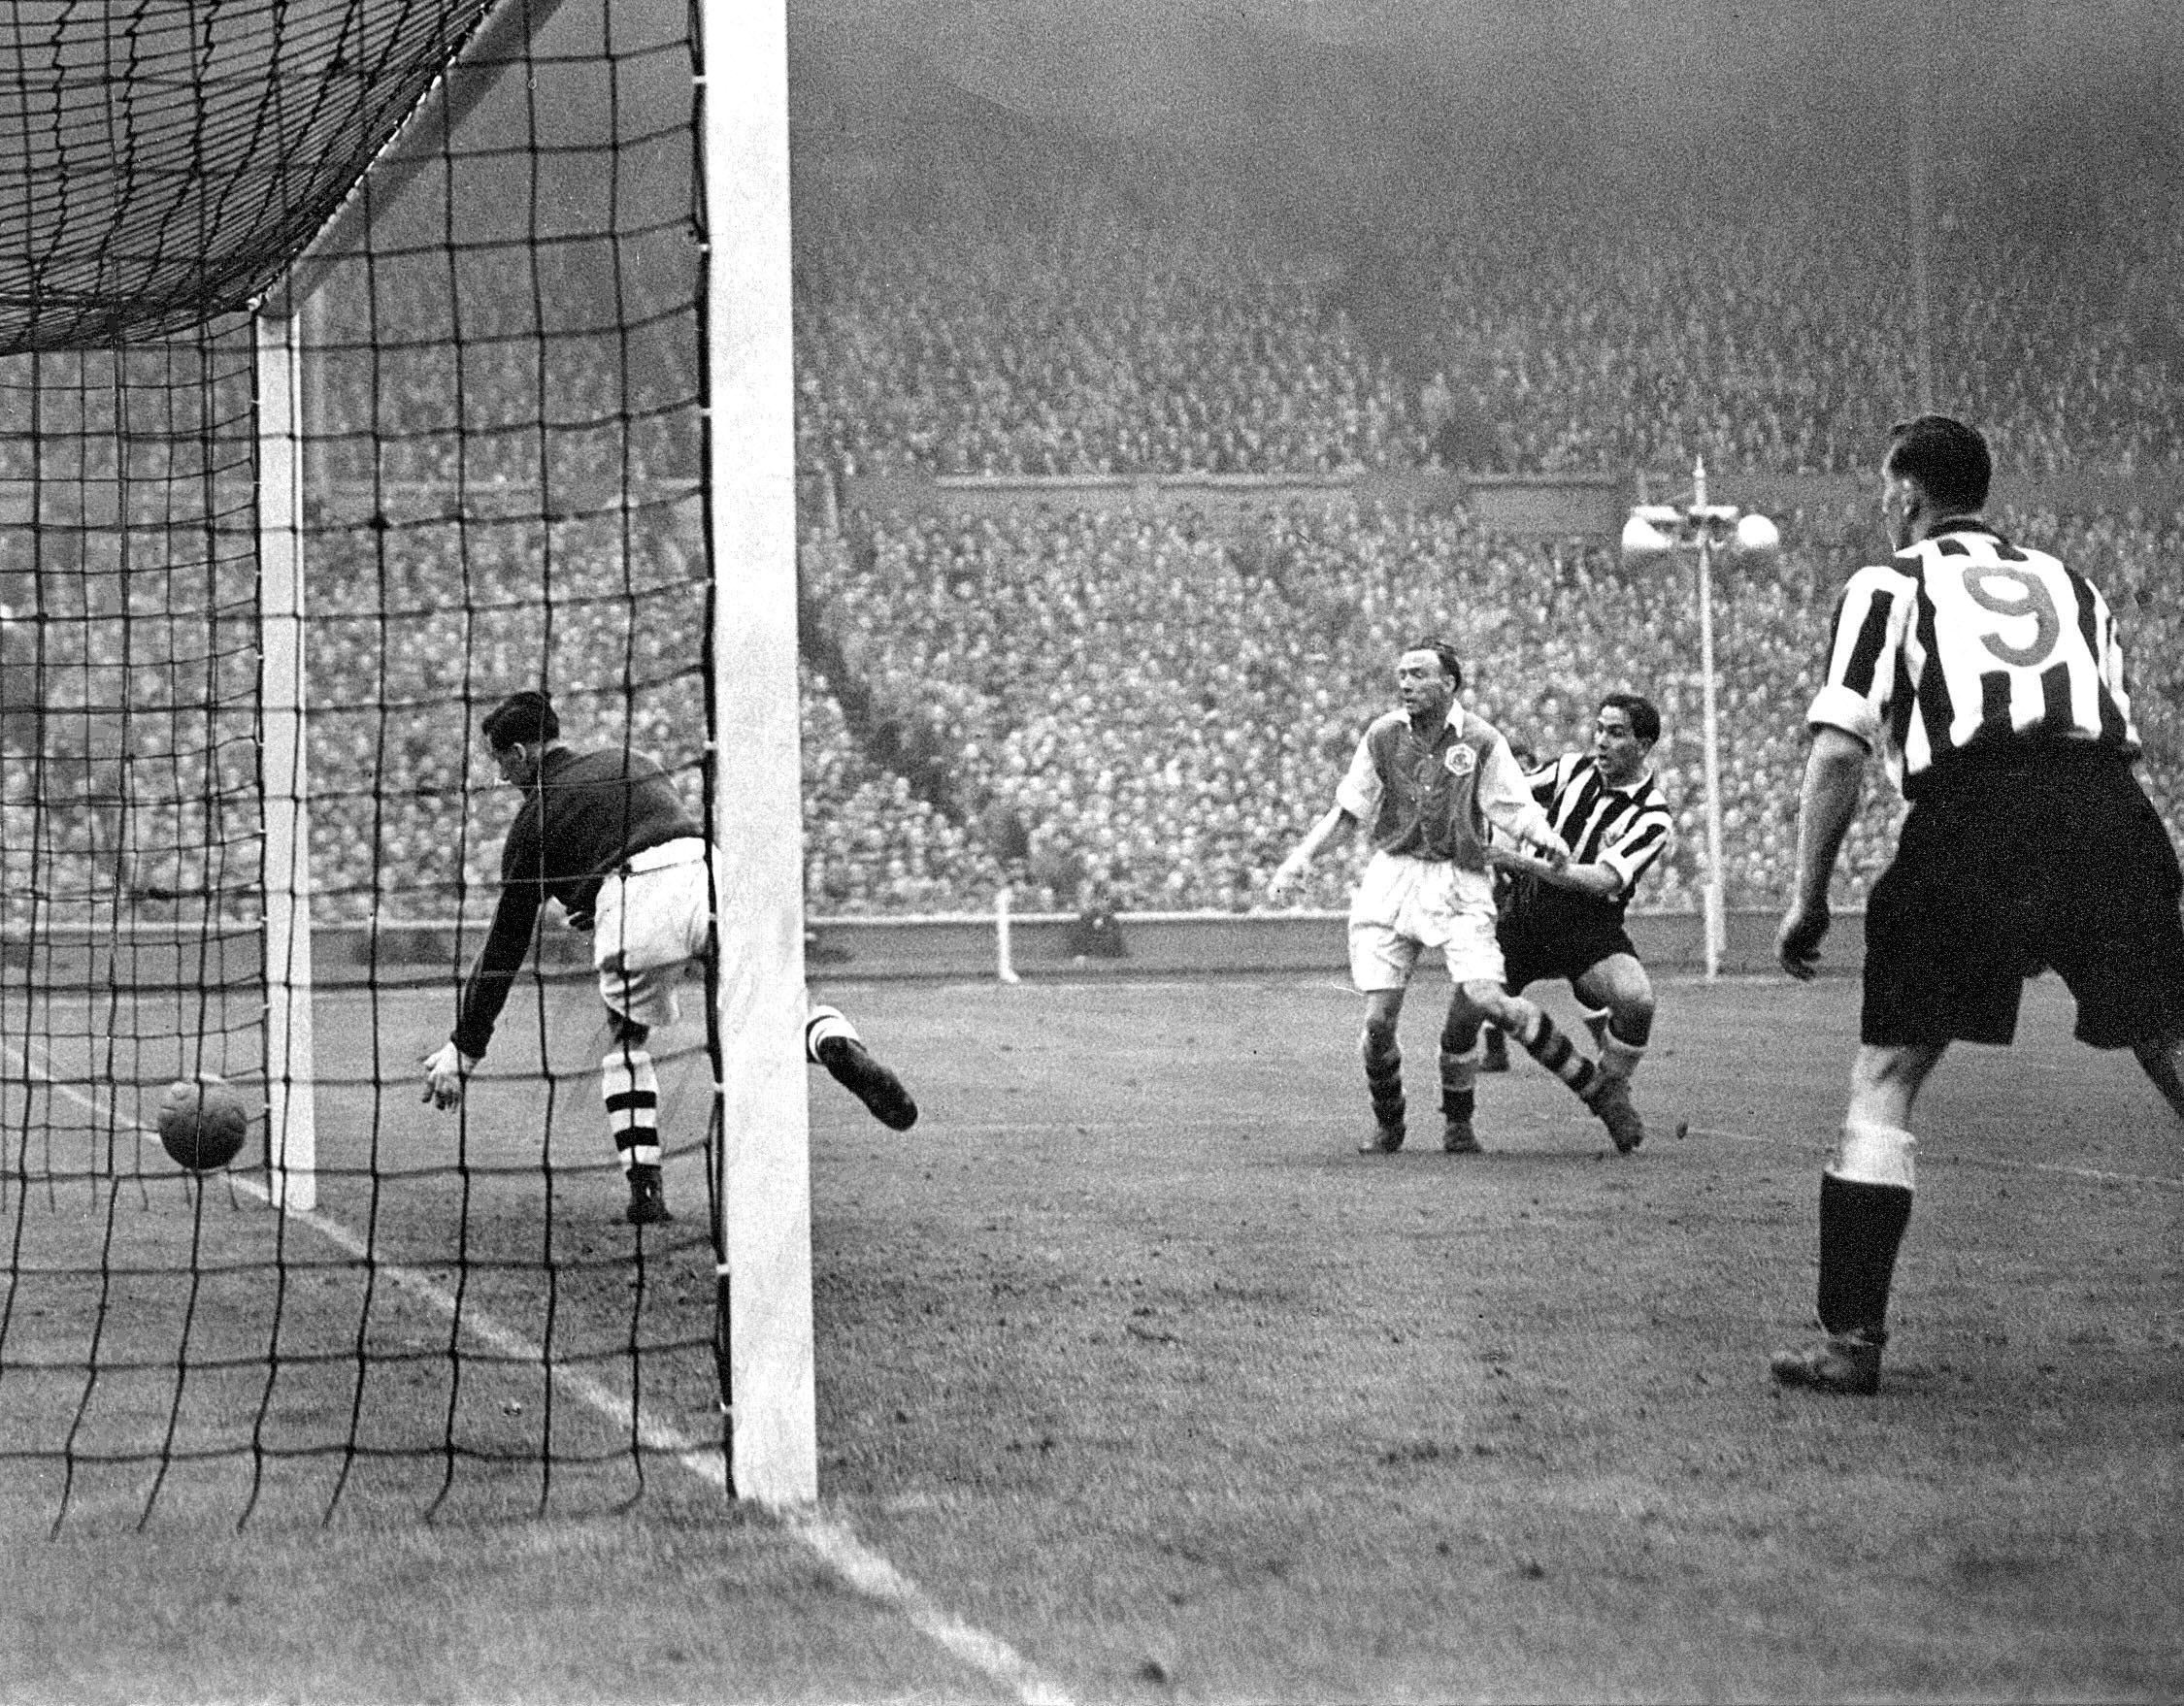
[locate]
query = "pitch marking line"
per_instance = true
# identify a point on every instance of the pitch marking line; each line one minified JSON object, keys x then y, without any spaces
{"x":2095,"y":1175}
{"x":834,"y":1543}
{"x":1656,"y":1141}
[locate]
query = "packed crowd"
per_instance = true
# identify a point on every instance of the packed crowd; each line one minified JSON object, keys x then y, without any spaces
{"x":1778,"y":343}
{"x":1107,"y":348}
{"x":1073,"y":704}
{"x":1150,"y":709}
{"x":1139,"y":704}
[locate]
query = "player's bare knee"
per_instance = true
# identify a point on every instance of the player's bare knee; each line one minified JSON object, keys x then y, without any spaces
{"x":1885,"y":1080}
{"x":627,"y":1032}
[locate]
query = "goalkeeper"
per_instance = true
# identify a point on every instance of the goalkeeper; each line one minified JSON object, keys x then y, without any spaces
{"x":1426,"y":782}
{"x":605,"y":833}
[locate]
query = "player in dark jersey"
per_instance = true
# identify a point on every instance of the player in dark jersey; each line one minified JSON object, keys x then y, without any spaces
{"x":1568,"y":923}
{"x":1991,"y":680}
{"x":1425,"y":783}
{"x":607,"y":836}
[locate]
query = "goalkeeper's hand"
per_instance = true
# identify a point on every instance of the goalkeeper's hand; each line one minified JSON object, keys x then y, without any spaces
{"x":1284,"y":876}
{"x":445,"y":1070}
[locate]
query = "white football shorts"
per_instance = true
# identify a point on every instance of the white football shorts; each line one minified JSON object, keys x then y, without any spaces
{"x":651,"y":921}
{"x":1405,"y":905}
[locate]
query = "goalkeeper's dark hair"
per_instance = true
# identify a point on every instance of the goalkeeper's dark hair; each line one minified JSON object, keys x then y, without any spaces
{"x":1441,"y":649}
{"x":1947,"y":458}
{"x":522,"y":718}
{"x":1645,"y":714}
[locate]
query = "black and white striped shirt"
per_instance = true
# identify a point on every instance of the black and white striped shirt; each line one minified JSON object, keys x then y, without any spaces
{"x":1625,"y":828}
{"x":1967,"y":639}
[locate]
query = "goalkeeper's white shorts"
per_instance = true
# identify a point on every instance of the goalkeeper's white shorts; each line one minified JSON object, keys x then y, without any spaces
{"x":652,"y":920}
{"x":1405,"y":905}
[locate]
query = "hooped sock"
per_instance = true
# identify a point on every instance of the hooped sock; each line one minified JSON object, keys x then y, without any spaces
{"x":1547,"y":1045}
{"x":1383,"y":1081}
{"x":630,"y":1088}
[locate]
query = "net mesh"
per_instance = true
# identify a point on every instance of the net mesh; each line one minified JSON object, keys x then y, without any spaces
{"x":165,"y":161}
{"x":499,"y":427}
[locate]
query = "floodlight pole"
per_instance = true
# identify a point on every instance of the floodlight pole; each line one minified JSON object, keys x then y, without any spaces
{"x":1710,"y":721}
{"x":1654,"y":529}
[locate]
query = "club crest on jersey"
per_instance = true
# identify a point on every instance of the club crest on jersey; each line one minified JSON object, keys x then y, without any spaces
{"x":1459,"y":759}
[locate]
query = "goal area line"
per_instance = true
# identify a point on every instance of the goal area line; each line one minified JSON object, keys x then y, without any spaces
{"x":827,"y":1538}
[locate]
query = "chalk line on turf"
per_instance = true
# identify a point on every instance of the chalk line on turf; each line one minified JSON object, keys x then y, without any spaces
{"x":1816,"y":1145}
{"x":865,"y":1571}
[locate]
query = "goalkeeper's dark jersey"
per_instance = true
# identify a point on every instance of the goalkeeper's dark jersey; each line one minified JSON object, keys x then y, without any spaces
{"x":1966,"y":642}
{"x":588,"y":813}
{"x":1625,"y":828}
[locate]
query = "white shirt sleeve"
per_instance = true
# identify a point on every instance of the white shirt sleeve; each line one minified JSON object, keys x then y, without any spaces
{"x":1862,"y":656}
{"x":1360,"y":789}
{"x":1505,"y":801}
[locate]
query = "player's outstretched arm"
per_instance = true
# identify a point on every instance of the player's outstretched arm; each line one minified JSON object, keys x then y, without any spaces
{"x":1332,"y":826}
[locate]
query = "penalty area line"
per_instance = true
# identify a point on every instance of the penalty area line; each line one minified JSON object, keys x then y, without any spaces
{"x":833,"y":1542}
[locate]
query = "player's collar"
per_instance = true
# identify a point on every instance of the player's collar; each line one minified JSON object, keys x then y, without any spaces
{"x":1962,"y":524}
{"x":1451,"y":723}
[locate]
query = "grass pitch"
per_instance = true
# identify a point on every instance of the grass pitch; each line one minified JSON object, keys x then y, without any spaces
{"x":1129,"y":1362}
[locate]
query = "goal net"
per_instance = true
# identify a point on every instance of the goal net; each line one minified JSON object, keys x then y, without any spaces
{"x":353,"y":374}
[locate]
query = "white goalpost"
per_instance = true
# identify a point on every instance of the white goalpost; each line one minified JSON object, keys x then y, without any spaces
{"x":284,"y":773}
{"x":756,"y":811}
{"x":472,"y":374}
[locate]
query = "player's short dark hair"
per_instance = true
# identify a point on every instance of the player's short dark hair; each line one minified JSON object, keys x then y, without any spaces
{"x":1947,"y":458}
{"x":522,"y":718}
{"x":1645,"y":714}
{"x":1441,"y":649}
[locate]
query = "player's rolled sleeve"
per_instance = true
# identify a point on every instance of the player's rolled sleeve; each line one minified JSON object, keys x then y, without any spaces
{"x":1633,"y":853}
{"x":1505,"y":800}
{"x":1359,"y":791}
{"x":1838,"y":707}
{"x":1863,"y":654}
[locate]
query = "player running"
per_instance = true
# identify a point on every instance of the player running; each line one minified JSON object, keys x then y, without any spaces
{"x":1991,"y":678}
{"x":607,"y":835}
{"x":1568,"y":922}
{"x":1426,"y":782}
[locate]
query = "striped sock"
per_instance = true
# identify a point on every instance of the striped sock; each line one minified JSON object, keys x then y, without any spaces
{"x":1383,"y":1080}
{"x":631,"y":1091}
{"x":1554,"y":1051}
{"x":1459,"y":1078}
{"x":1619,"y":1058}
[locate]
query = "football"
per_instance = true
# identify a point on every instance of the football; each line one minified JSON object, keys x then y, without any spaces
{"x":203,"y":1122}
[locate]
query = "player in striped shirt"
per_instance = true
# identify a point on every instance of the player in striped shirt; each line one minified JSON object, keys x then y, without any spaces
{"x":1568,"y":923}
{"x":1991,"y":680}
{"x":1425,"y":783}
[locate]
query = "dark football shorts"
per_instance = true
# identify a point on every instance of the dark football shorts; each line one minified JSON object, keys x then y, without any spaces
{"x":1544,"y":941}
{"x":2042,"y":856}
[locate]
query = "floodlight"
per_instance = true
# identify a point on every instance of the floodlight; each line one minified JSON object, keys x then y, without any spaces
{"x":1757,"y":536}
{"x":1642,"y":540}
